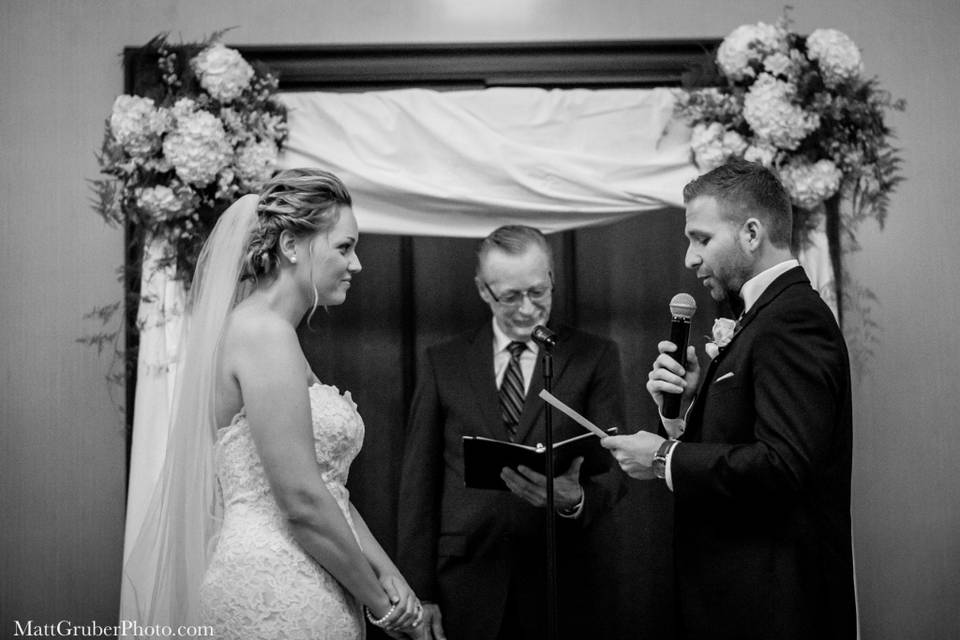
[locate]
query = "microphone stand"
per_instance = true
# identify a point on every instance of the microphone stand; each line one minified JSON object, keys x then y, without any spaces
{"x":545,"y":349}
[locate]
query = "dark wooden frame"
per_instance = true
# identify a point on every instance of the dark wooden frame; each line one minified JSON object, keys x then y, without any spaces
{"x":607,"y":64}
{"x":581,"y":64}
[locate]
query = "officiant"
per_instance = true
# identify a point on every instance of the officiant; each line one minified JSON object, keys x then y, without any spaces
{"x":477,"y":557}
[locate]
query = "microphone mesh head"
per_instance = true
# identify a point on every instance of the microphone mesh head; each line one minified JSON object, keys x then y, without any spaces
{"x":683,"y":305}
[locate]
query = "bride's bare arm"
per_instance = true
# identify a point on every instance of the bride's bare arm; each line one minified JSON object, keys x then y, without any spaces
{"x":386,"y":570}
{"x":264,"y":355}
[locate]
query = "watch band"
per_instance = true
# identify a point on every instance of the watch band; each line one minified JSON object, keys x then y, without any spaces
{"x":660,"y":458}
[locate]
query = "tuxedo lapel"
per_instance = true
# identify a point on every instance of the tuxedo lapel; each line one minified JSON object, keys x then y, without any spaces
{"x":691,"y":433}
{"x":479,"y":366}
{"x":794,"y":276}
{"x":791,"y":277}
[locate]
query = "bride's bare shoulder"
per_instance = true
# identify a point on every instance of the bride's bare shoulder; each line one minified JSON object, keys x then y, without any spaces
{"x":258,"y":328}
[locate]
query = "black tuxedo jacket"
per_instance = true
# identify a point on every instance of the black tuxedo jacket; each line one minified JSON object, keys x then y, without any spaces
{"x":480,"y":553}
{"x":761,"y":479}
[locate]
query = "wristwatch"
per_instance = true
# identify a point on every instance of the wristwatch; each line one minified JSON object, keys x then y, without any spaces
{"x":660,"y":458}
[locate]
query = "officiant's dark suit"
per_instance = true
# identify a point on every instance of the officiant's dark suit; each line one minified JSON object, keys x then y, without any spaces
{"x":761,"y":470}
{"x":480,"y":554}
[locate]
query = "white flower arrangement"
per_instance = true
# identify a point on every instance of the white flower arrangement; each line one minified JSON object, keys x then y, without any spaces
{"x":206,"y":130}
{"x":202,"y":128}
{"x":802,"y":107}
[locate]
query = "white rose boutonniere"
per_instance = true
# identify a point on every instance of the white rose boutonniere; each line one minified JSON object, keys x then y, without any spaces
{"x":723,"y":330}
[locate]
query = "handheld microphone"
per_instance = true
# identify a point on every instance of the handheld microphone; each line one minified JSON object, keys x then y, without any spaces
{"x":544,"y":337}
{"x":682,"y":308}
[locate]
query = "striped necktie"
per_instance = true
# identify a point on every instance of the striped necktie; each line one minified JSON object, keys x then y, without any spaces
{"x":511,"y":391}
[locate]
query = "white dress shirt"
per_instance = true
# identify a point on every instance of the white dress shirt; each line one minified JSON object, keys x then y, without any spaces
{"x":751,"y":291}
{"x":501,"y":357}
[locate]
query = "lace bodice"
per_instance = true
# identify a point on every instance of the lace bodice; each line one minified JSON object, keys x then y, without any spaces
{"x":260,"y":582}
{"x":338,"y":437}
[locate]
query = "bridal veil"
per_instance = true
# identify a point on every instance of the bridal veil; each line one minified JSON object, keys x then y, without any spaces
{"x":165,"y":566}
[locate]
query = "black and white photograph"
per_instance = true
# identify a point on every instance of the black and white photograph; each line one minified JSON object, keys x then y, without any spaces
{"x":500,"y":320}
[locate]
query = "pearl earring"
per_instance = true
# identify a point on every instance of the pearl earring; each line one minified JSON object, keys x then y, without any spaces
{"x":293,"y":259}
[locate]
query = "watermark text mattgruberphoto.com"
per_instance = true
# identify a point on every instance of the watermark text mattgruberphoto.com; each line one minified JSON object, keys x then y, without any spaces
{"x":124,"y":629}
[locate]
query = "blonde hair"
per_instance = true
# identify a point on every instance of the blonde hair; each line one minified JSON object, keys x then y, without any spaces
{"x":301,"y":201}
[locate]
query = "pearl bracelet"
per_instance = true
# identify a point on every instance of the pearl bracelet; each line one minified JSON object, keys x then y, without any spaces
{"x":378,"y":622}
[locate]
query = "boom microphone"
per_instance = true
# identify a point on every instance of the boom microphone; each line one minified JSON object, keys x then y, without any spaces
{"x":682,"y":308}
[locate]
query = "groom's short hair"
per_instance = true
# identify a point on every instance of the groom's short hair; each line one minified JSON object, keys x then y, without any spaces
{"x":747,"y":189}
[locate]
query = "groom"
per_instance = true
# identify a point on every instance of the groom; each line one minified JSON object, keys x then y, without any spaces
{"x":476,"y":557}
{"x":760,"y":465}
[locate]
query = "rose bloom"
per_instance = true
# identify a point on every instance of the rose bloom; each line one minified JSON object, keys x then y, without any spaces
{"x":159,"y":201}
{"x":222,"y":72}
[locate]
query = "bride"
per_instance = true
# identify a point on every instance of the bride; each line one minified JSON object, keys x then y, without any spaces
{"x":250,"y":529}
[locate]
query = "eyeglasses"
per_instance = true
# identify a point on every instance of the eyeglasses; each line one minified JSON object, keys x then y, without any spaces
{"x":514,"y":298}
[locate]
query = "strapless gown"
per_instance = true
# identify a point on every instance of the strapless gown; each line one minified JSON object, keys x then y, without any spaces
{"x":260,"y":582}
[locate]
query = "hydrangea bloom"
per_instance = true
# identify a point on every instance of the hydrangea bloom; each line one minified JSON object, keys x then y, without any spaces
{"x":747,"y":45}
{"x":197,"y":148}
{"x":713,"y":145}
{"x":770,"y":112}
{"x":765,"y":154}
{"x":836,"y":54}
{"x":222,"y":72}
{"x":256,"y":163}
{"x":810,"y":184}
{"x":137,"y":125}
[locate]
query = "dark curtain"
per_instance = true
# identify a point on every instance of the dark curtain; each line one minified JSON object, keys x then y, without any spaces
{"x":614,"y":280}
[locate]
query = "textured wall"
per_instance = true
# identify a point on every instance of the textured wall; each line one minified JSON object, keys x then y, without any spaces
{"x":61,"y":444}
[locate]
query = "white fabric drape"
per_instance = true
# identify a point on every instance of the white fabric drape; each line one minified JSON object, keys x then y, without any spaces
{"x":460,"y":164}
{"x":160,"y":320}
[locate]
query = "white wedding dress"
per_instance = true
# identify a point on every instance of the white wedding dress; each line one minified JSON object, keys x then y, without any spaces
{"x":260,"y":583}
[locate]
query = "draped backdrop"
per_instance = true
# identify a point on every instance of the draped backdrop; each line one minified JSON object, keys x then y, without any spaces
{"x":457,"y":164}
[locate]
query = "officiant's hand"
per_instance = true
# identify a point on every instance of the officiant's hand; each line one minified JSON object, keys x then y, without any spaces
{"x":532,"y":486}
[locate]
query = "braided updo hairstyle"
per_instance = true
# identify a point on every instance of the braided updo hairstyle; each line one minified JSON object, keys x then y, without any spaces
{"x":301,"y":201}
